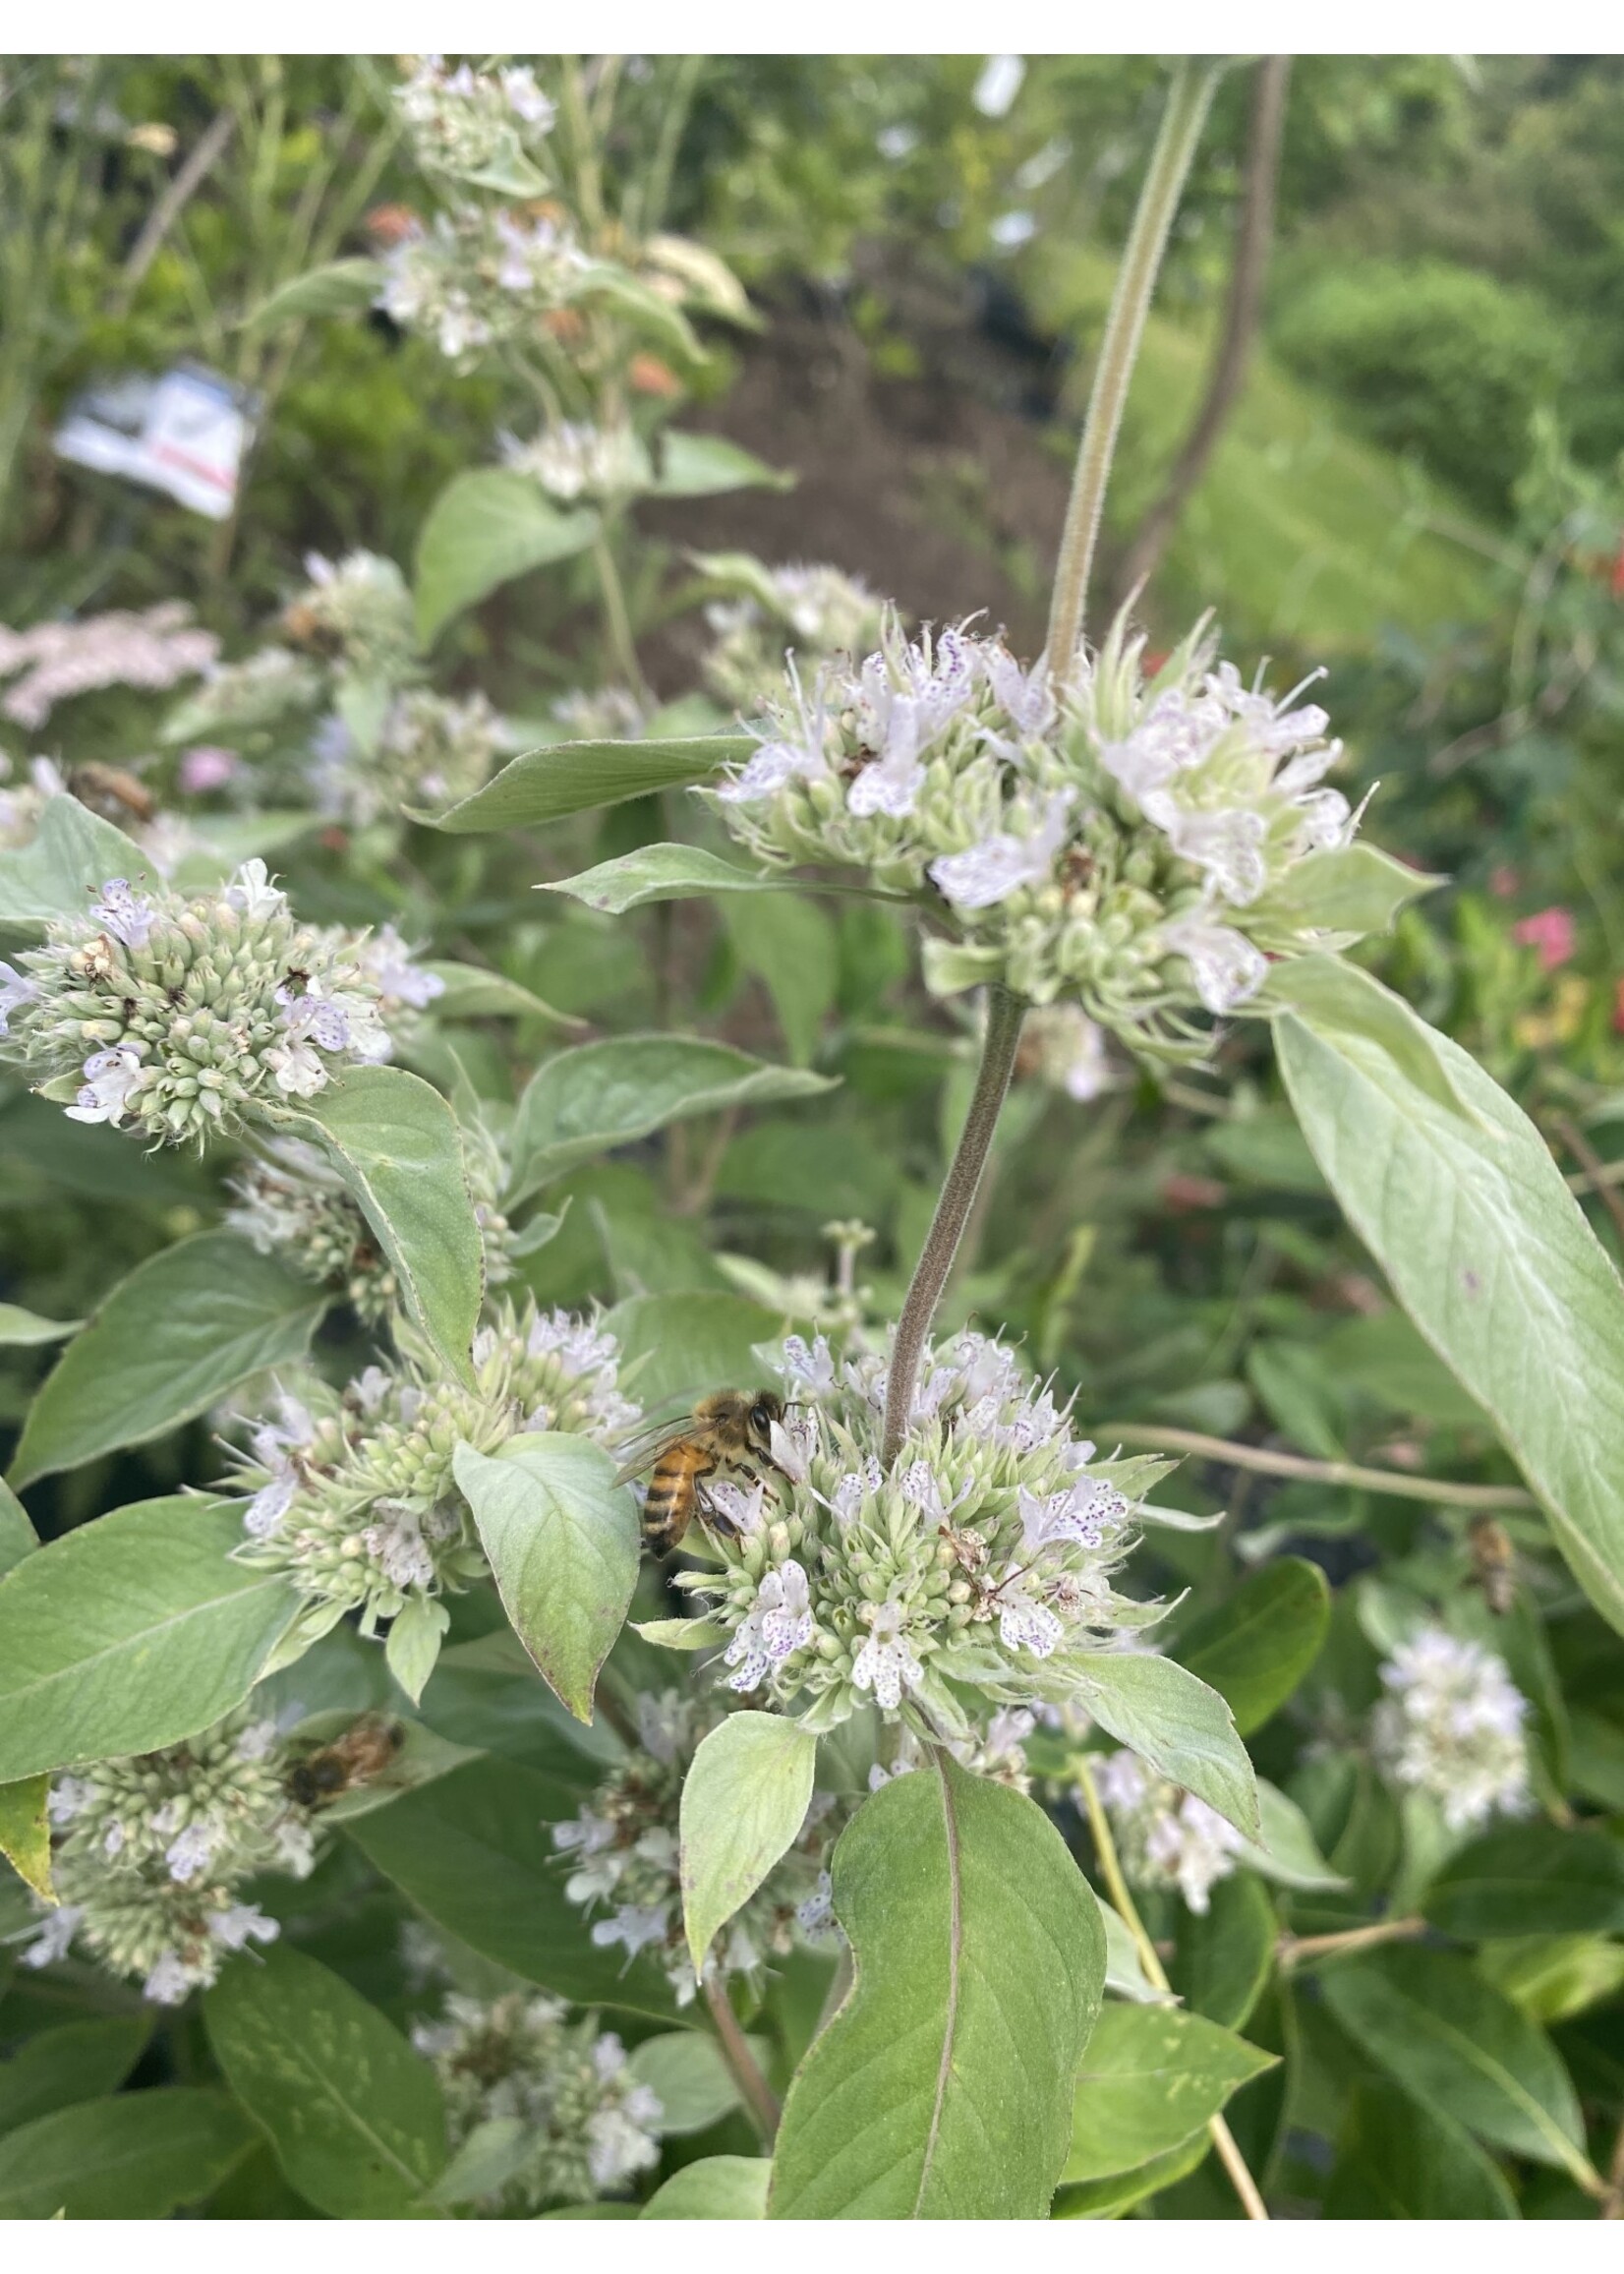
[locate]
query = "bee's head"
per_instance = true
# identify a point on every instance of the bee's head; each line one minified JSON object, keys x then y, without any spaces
{"x":766,"y":1408}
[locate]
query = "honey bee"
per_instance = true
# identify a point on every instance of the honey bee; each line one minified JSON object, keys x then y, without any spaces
{"x":1493,"y":1563}
{"x":111,"y":791}
{"x":360,"y":1755}
{"x":729,"y":1431}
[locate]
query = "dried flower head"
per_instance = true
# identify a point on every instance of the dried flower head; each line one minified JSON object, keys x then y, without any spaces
{"x":149,"y":1856}
{"x":1451,"y":1726}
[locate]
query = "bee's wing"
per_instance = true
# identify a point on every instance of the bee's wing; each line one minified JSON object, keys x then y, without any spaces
{"x":641,"y":1448}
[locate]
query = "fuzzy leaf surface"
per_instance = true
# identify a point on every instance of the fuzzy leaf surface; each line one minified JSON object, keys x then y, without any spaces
{"x":1174,"y":1722}
{"x":714,"y":2188}
{"x":26,"y":1832}
{"x":744,"y":1800}
{"x":1150,"y":2080}
{"x":484,"y":528}
{"x":564,"y":778}
{"x":659,"y":872}
{"x":74,"y":853}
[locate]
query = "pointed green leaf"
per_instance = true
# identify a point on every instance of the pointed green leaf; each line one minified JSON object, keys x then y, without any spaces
{"x":1182,"y":1728}
{"x":1433,"y":2022}
{"x":708,"y":465}
{"x":396,"y":1146}
{"x":1110,"y":2198}
{"x":1398,"y":2157}
{"x":474,"y":1851}
{"x":687,"y":2075}
{"x":1224,"y":1954}
{"x":169,"y":1342}
{"x":411,"y":1647}
{"x":588,"y":1100}
{"x":661,"y":872}
{"x":74,"y":2061}
{"x":1150,"y":2078}
{"x":943,"y":2086}
{"x":1255,"y":1648}
{"x":354,"y":2114}
{"x":1530,"y":1879}
{"x":484,"y":528}
{"x":1487,"y":1248}
{"x":1356,"y":889}
{"x":577,"y":776}
{"x":743,"y":1803}
{"x":714,"y":2188}
{"x":563,"y":1544}
{"x":467,"y":992}
{"x":139,"y":2155}
{"x":1285,"y":1851}
{"x":26,"y":1835}
{"x":130,"y":1634}
{"x":74,"y":853}
{"x":20,"y":1328}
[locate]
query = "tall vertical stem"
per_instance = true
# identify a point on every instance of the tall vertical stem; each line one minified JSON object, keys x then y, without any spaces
{"x":756,"y":2093}
{"x":1105,"y":1847}
{"x":1005,"y":1012}
{"x":1186,"y":107}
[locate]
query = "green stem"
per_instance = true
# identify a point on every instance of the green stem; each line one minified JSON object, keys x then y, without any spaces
{"x":754,"y":2090}
{"x":1390,"y":1481}
{"x":1181,"y":120}
{"x":1005,"y":1013}
{"x":1105,"y":1849}
{"x":617,"y":630}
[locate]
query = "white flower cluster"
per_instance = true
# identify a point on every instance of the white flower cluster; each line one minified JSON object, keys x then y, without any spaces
{"x":477,"y":279}
{"x":251,"y":703}
{"x":354,"y":1495}
{"x":624,"y":1850}
{"x":1115,"y":840}
{"x":980,"y":1561}
{"x":470,"y":123}
{"x":1451,"y":1726}
{"x":812,"y":610}
{"x":1165,"y":1837}
{"x":155,"y":648}
{"x":427,"y":751}
{"x":575,"y":458}
{"x":589,"y":2125}
{"x":149,"y":1856}
{"x":175,"y":1016}
{"x":358,"y":612}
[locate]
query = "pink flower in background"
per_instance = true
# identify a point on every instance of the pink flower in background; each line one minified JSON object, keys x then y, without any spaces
{"x":207,"y":768}
{"x":1504,"y":883}
{"x":1551,"y":932}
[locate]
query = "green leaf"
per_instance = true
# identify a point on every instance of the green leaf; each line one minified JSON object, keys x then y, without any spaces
{"x":790,"y":943}
{"x":586,"y":1101}
{"x":1354,"y":889}
{"x":744,"y":1802}
{"x":707,"y":465}
{"x":1287,"y":1851}
{"x":683,"y":1345}
{"x":487,"y":2159}
{"x":661,"y":872}
{"x":411,"y":1647}
{"x":484,"y":528}
{"x":26,"y":1833}
{"x":20,"y":1328}
{"x":1255,"y":1648}
{"x":338,"y":288}
{"x":169,"y":1342}
{"x":474,"y":1851}
{"x":1125,"y":1974}
{"x":714,"y":2188}
{"x":1338,"y":1002}
{"x":1400,"y":2158}
{"x":563,"y":1544}
{"x":18,"y":1537}
{"x":471,"y":992}
{"x":74,"y":853}
{"x":1109,"y":2198}
{"x":1449,"y":2037}
{"x":1224,"y":1953}
{"x":1490,"y":1254}
{"x":130,"y":1634}
{"x":354,"y":2115}
{"x":682,"y":1634}
{"x":1151,"y":2078}
{"x":685,"y":2071}
{"x":139,"y":2155}
{"x":62,"y":2066}
{"x":568,"y":778}
{"x":1182,"y":1728}
{"x":943,"y":2086}
{"x":396,"y":1146}
{"x":1530,"y":1879}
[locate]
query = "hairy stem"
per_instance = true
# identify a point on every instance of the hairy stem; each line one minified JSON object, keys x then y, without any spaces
{"x":1392,"y":1482}
{"x":1105,"y":1847}
{"x":755,"y":2091}
{"x":1005,"y":1013}
{"x":1186,"y":107}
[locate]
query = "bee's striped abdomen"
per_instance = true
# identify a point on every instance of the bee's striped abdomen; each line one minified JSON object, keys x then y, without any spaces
{"x":668,"y":1506}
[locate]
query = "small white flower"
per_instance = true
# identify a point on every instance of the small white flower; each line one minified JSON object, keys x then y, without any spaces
{"x":778,"y":1623}
{"x":251,"y":891}
{"x":1228,"y":846}
{"x":189,"y":1853}
{"x":113,"y":1075}
{"x":810,"y":1370}
{"x":886,"y":1664}
{"x":298,"y":1071}
{"x":396,"y":1545}
{"x":989,"y":872}
{"x":740,"y":1508}
{"x":617,"y":2147}
{"x":816,"y":1915}
{"x":264,"y":1512}
{"x":16,"y":989}
{"x":54,"y":1938}
{"x":170,"y":1981}
{"x":242,"y":1924}
{"x":128,"y":915}
{"x":1025,"y":1624}
{"x":633,"y":1927}
{"x":794,"y":1444}
{"x":1225,"y":965}
{"x":67,"y":1796}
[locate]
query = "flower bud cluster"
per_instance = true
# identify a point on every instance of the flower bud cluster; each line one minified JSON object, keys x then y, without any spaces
{"x":427,"y":751}
{"x":250,"y":701}
{"x":290,"y":1203}
{"x":1115,"y":840}
{"x":174,"y":1015}
{"x":815,"y":612}
{"x":479,"y":279}
{"x":1165,"y":1837}
{"x":981,"y":1560}
{"x":354,"y":1495}
{"x":466,"y":123}
{"x":355,"y":611}
{"x":575,"y":458}
{"x":1452,"y":1726}
{"x":150,"y":1857}
{"x":624,"y":1847}
{"x":590,"y":2126}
